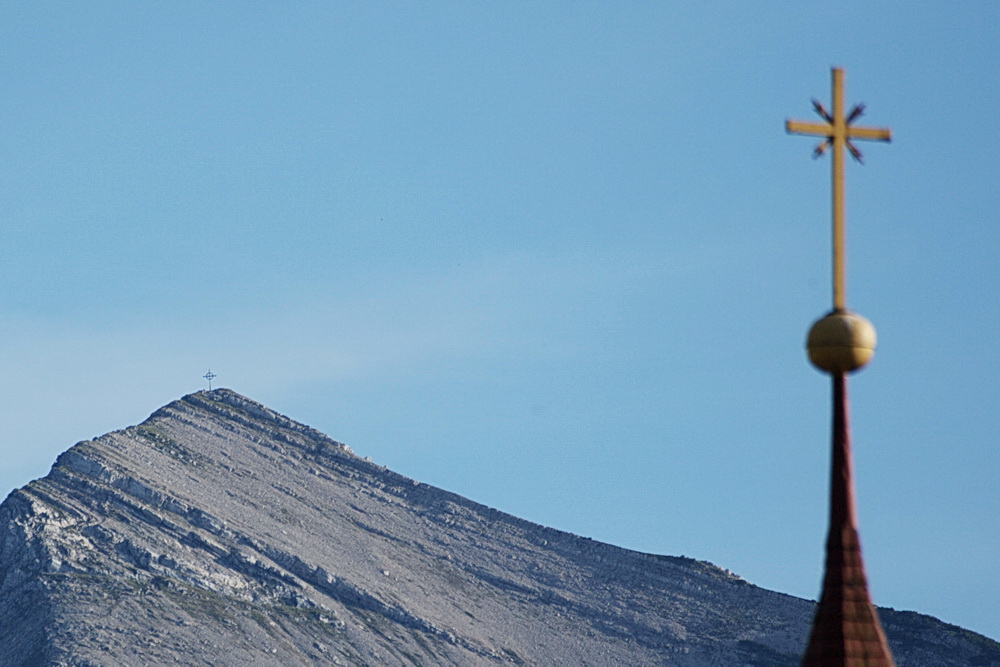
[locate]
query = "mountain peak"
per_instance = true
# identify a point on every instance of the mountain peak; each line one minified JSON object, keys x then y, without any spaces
{"x":219,"y":530}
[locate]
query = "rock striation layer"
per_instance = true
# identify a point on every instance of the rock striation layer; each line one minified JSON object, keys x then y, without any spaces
{"x":220,"y":532}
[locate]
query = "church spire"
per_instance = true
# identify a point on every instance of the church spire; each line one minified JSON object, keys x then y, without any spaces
{"x":846,"y":631}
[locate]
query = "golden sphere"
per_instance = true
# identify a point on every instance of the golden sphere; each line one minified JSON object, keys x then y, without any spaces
{"x":841,"y":342}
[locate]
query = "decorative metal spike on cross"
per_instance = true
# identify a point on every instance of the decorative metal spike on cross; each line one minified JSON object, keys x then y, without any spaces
{"x":210,"y":376}
{"x":838,"y":132}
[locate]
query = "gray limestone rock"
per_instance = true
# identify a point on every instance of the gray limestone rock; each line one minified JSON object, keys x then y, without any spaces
{"x":220,"y":532}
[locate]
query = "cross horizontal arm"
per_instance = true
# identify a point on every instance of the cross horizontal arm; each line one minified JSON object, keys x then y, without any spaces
{"x":815,"y":129}
{"x":872,"y":133}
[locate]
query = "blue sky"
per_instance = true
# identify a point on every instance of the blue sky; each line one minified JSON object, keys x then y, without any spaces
{"x":559,"y":258}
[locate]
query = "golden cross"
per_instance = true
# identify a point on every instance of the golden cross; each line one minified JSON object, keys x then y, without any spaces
{"x":838,"y":132}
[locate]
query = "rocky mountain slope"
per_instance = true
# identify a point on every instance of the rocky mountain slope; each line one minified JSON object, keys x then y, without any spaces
{"x":220,"y":532}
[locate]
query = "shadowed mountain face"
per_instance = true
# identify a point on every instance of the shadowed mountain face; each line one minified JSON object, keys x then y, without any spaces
{"x":220,"y":532}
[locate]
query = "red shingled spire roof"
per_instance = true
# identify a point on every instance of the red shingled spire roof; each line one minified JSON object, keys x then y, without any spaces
{"x":846,"y":630}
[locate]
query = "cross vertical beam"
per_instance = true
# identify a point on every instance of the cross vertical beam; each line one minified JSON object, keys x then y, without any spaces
{"x":839,"y":137}
{"x":837,"y":132}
